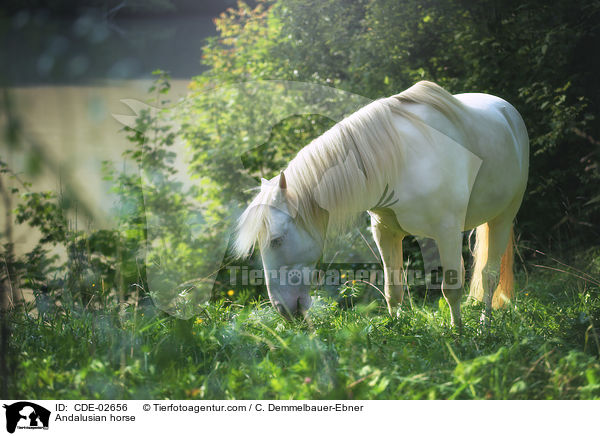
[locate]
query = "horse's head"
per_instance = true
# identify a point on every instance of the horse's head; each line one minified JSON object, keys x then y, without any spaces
{"x":289,"y":252}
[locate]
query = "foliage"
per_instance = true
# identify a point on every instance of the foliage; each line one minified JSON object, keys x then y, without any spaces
{"x":536,"y":55}
{"x":545,"y":347}
{"x":95,"y":333}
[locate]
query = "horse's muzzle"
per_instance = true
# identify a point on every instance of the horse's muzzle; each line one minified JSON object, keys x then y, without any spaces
{"x":296,"y":308}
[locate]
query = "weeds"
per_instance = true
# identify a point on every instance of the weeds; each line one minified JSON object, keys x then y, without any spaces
{"x":545,"y":346}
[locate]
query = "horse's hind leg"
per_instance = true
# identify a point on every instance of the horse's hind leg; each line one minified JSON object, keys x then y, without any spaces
{"x":389,"y":242}
{"x":499,"y":231}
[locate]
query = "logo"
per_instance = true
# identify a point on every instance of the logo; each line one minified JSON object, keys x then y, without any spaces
{"x":26,"y":415}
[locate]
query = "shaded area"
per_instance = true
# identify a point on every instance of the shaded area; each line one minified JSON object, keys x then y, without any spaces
{"x":90,"y":48}
{"x":111,"y":8}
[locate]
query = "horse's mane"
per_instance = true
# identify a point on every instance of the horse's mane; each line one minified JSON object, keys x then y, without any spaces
{"x":343,"y":168}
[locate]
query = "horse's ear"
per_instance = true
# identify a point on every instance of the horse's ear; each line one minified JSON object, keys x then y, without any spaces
{"x":282,"y":181}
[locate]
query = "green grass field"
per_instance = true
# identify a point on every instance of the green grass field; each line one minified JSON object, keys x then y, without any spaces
{"x":545,"y":346}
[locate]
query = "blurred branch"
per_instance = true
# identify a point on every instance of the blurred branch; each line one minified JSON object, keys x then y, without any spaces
{"x":584,"y":135}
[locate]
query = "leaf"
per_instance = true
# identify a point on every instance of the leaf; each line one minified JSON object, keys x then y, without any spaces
{"x":519,"y":386}
{"x":592,"y":201}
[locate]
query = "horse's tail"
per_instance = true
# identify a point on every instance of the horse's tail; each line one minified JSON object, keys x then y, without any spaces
{"x":505,"y":289}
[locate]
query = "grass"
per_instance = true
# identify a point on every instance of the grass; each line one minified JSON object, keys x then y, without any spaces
{"x":545,"y":346}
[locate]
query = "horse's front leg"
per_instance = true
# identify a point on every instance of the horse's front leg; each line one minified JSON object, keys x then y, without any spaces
{"x":389,"y":243}
{"x":450,"y":248}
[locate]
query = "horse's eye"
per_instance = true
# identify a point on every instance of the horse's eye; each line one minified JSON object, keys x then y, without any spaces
{"x":276,"y":242}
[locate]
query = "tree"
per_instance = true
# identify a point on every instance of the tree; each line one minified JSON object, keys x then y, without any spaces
{"x":535,"y":55}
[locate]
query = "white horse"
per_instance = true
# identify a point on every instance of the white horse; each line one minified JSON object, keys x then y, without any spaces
{"x":423,"y":162}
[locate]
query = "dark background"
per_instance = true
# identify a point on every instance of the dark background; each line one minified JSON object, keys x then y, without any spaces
{"x":75,"y":42}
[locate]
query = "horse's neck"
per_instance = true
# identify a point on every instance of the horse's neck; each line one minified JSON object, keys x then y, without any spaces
{"x":343,"y":192}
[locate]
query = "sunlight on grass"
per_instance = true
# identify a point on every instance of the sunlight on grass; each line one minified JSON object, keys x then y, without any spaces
{"x":543,"y":346}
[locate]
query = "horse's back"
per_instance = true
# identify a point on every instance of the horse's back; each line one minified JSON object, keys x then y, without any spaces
{"x":497,"y":111}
